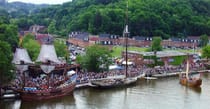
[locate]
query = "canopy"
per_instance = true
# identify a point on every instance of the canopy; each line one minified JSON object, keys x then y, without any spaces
{"x":47,"y":53}
{"x":115,"y":67}
{"x":21,"y":55}
{"x":128,"y":63}
{"x":71,"y":72}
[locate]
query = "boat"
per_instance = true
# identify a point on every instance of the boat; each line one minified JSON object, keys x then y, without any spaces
{"x":50,"y":79}
{"x":187,"y":79}
{"x":118,"y":82}
{"x":150,"y":78}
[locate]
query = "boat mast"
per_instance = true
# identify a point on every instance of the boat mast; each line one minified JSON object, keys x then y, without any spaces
{"x":126,"y":41}
{"x":187,"y":69}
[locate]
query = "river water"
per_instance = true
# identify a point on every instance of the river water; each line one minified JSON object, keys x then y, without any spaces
{"x":165,"y":93}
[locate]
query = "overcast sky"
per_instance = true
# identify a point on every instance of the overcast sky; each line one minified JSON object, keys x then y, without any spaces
{"x":42,"y":1}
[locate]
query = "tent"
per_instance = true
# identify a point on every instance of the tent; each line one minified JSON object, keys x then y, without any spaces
{"x":115,"y":67}
{"x":128,"y":63}
{"x":71,"y":72}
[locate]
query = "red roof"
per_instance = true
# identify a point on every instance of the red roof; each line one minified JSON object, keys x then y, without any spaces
{"x":41,"y":36}
{"x":93,"y":38}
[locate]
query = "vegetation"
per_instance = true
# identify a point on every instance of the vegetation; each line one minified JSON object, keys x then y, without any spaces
{"x":32,"y":46}
{"x":206,"y":52}
{"x":176,"y":18}
{"x":6,"y":73}
{"x":156,"y":44}
{"x":8,"y":42}
{"x":61,"y":49}
{"x":204,"y":40}
{"x":8,"y":33}
{"x":97,"y":59}
{"x":51,"y":27}
{"x":178,"y":60}
{"x":171,"y":18}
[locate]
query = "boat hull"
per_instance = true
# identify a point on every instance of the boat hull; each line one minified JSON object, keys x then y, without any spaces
{"x":195,"y":82}
{"x":112,"y":83}
{"x":46,"y":94}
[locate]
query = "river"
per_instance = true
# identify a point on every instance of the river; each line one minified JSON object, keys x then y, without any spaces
{"x":165,"y":93}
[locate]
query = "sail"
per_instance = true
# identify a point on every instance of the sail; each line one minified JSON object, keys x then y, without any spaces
{"x":47,"y":53}
{"x":21,"y":55}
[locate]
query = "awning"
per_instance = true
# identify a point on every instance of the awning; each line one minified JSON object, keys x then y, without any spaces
{"x":128,"y":63}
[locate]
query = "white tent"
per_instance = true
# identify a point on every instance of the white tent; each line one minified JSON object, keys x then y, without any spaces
{"x":115,"y":67}
{"x":71,"y":72}
{"x":128,"y":63}
{"x":47,"y":53}
{"x":21,"y":55}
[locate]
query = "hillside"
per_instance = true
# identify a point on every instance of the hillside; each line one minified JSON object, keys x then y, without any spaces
{"x":163,"y":18}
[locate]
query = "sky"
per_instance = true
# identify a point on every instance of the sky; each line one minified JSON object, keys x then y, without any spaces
{"x":42,"y":1}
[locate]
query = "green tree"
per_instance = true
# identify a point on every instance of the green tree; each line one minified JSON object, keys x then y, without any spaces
{"x":203,"y":40}
{"x":8,"y":33}
{"x":97,"y":59}
{"x":61,"y":49}
{"x":6,"y":68}
{"x":32,"y":46}
{"x":206,"y":52}
{"x":156,"y":44}
{"x":51,"y":27}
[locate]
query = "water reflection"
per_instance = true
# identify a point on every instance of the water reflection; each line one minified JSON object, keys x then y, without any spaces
{"x":61,"y":103}
{"x":165,"y":93}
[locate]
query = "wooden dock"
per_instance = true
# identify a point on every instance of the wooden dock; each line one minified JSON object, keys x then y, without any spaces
{"x":177,"y":73}
{"x":9,"y":94}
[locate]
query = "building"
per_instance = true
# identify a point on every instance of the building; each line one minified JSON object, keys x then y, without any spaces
{"x":165,"y":58}
{"x":108,"y":39}
{"x":44,"y":38}
{"x":37,"y":29}
{"x":79,"y":39}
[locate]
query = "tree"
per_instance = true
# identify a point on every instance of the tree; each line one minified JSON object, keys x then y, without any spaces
{"x":97,"y":59}
{"x":156,"y":44}
{"x":61,"y":49}
{"x":6,"y":68}
{"x":8,"y":33}
{"x":32,"y":46}
{"x":206,"y":52}
{"x":51,"y":27}
{"x":203,"y":40}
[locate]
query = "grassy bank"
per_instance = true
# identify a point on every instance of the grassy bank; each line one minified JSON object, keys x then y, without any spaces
{"x":117,"y":50}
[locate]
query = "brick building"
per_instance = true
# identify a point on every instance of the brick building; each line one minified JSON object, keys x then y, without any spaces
{"x":167,"y":57}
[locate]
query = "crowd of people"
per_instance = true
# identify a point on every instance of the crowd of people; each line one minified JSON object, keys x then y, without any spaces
{"x":39,"y":82}
{"x":54,"y":80}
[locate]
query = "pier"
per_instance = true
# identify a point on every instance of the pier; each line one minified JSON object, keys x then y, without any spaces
{"x":9,"y":94}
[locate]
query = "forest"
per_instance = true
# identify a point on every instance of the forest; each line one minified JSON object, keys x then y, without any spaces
{"x":164,"y":18}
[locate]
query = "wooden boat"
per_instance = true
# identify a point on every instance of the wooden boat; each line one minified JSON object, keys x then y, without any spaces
{"x":117,"y":82}
{"x":52,"y":66}
{"x":111,"y":83}
{"x":36,"y":94}
{"x":188,"y":80}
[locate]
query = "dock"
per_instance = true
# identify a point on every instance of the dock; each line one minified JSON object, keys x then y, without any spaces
{"x":177,"y":73}
{"x":9,"y":94}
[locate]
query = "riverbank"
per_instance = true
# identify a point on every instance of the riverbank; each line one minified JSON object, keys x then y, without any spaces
{"x":141,"y":75}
